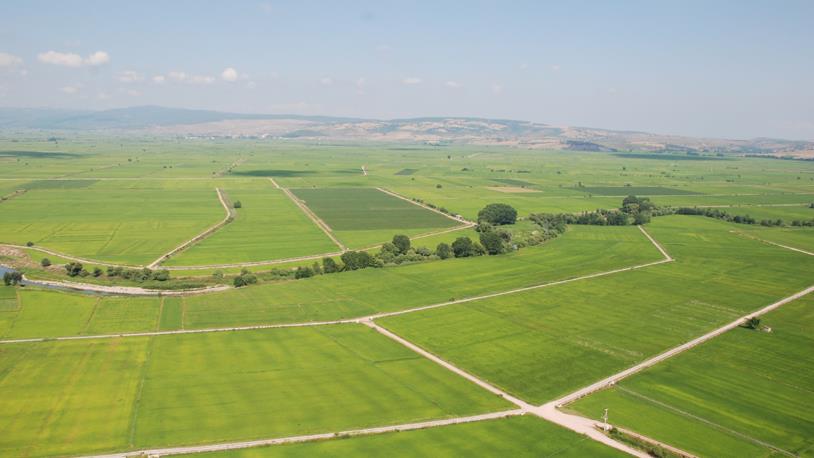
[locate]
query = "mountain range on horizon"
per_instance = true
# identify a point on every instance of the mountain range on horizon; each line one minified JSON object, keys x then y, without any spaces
{"x":157,"y":120}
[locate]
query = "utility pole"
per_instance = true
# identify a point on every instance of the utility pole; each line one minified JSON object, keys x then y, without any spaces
{"x":605,"y":426}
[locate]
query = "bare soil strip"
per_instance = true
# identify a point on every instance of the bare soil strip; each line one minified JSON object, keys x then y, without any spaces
{"x":312,"y":437}
{"x":125,"y":290}
{"x":774,"y":243}
{"x":71,"y":258}
{"x":230,"y":216}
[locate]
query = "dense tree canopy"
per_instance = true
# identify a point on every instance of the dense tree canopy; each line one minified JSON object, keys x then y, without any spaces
{"x":498,"y":214}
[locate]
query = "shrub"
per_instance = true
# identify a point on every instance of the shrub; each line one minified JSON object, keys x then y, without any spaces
{"x":45,"y":262}
{"x":73,"y":268}
{"x":462,"y":247}
{"x":329,"y":266}
{"x":443,"y":250}
{"x":401,"y":242}
{"x":237,"y":204}
{"x":498,"y":214}
{"x":29,"y":243}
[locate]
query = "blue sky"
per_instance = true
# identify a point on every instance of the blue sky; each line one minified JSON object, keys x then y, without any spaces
{"x":725,"y":69}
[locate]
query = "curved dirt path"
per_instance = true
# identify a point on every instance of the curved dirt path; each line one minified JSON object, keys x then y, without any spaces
{"x":123,"y":290}
{"x":367,"y":318}
{"x":230,"y":216}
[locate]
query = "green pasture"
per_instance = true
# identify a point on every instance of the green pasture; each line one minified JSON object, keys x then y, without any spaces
{"x":726,"y":396}
{"x":519,"y":436}
{"x":545,"y":343}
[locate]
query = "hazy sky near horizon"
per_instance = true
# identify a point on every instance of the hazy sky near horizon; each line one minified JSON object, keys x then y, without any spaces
{"x":704,"y":68}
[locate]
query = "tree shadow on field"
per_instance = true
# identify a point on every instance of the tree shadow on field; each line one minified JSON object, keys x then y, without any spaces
{"x":39,"y":154}
{"x":273,"y":173}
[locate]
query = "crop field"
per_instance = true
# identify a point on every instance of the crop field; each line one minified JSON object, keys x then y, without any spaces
{"x":520,"y":436}
{"x":267,"y":226}
{"x":365,"y":216}
{"x":727,"y":396}
{"x":220,"y":386}
{"x":353,"y":294}
{"x":132,"y":223}
{"x":514,"y":341}
{"x":420,"y":340}
{"x":45,"y":313}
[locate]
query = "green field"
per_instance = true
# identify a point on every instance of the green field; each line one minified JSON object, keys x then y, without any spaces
{"x":204,"y":388}
{"x":268,"y":226}
{"x":523,"y":436}
{"x":129,"y":200}
{"x":721,"y":398}
{"x":44,"y":313}
{"x":584,"y":329}
{"x":126,"y":222}
{"x":366,"y":216}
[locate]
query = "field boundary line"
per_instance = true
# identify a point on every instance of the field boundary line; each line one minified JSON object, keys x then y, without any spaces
{"x":753,"y":237}
{"x":313,"y":217}
{"x":123,"y":290}
{"x":230,"y":216}
{"x":589,"y":430}
{"x":313,"y":437}
{"x":705,"y":421}
{"x":274,"y":183}
{"x":457,"y":218}
{"x":69,"y":257}
{"x":615,"y":378}
{"x":361,"y":319}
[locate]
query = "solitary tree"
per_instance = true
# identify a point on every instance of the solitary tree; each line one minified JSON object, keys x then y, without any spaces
{"x":402,"y":242}
{"x":498,"y":214}
{"x":12,"y":278}
{"x":492,"y":242}
{"x":462,"y":247}
{"x":329,"y":266}
{"x":237,"y":204}
{"x":753,"y":323}
{"x":443,"y":250}
{"x":45,"y":262}
{"x":73,"y":268}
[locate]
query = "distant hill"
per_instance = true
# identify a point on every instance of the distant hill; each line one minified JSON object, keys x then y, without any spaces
{"x":429,"y":130}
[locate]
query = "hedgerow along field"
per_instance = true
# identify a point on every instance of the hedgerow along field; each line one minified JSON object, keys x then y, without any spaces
{"x":727,"y":396}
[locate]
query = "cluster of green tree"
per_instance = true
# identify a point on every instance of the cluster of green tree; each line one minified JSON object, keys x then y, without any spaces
{"x":634,"y":210}
{"x":12,"y":278}
{"x":139,"y":275}
{"x":739,"y":219}
{"x":498,"y":214}
{"x":245,"y":278}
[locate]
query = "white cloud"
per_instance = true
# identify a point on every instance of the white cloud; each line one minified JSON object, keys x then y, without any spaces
{"x":411,"y":81}
{"x":71,"y":89}
{"x":177,"y":76}
{"x":229,"y":74}
{"x":251,"y":85}
{"x":452,"y":84}
{"x":66,"y":59}
{"x":200,"y":79}
{"x":555,"y":67}
{"x":159,"y":79}
{"x":130,"y":76}
{"x":69,"y":59}
{"x":326,"y":81}
{"x":97,"y":58}
{"x":497,"y":88}
{"x":9,"y":60}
